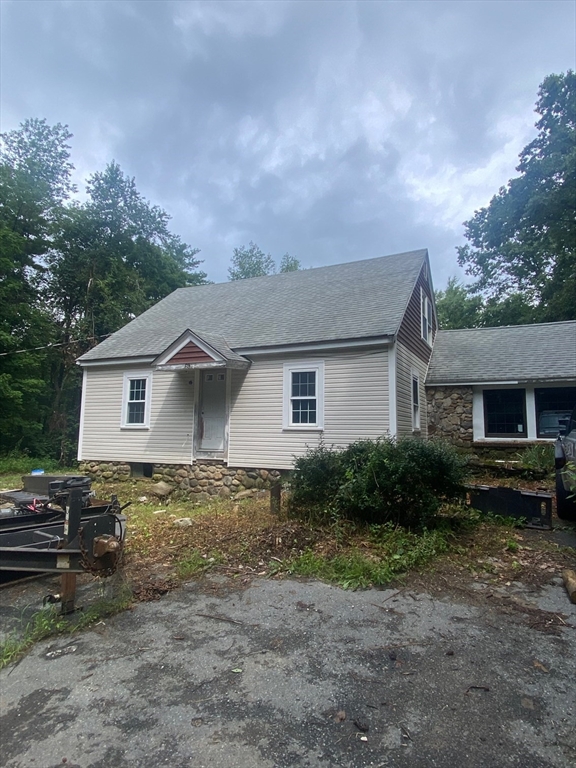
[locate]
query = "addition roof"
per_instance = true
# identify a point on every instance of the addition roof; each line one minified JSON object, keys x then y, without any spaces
{"x":522,"y":353}
{"x":357,"y":300}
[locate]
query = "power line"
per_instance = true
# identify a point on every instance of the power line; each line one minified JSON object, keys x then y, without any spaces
{"x":55,"y":344}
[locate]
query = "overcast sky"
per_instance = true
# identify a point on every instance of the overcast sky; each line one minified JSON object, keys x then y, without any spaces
{"x":335,"y":131}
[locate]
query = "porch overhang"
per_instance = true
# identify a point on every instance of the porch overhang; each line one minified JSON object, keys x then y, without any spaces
{"x":203,"y":366}
{"x":192,"y":351}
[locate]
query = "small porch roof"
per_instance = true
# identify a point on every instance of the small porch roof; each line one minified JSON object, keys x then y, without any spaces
{"x":192,"y":350}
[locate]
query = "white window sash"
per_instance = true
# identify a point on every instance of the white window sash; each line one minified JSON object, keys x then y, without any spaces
{"x":425,"y":318}
{"x":134,"y":376}
{"x":316,"y":367}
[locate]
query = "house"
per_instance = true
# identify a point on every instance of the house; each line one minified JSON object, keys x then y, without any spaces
{"x":218,"y":385}
{"x":504,"y":387}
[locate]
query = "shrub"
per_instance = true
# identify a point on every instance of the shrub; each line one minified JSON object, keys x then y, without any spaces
{"x":538,"y":458}
{"x":404,"y":481}
{"x":316,"y":479}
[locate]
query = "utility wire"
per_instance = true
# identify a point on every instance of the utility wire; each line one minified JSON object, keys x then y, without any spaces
{"x":55,"y":344}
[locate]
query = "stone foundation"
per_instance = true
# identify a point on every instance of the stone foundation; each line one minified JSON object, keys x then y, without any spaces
{"x":450,"y":414}
{"x":197,"y":481}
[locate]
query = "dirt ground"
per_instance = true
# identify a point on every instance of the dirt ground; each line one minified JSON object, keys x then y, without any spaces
{"x":450,"y":669}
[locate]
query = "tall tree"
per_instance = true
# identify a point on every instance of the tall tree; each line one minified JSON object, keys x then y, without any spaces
{"x":524,"y":242}
{"x":113,"y":257}
{"x":456,"y":308}
{"x":289,"y":263}
{"x":35,"y":180}
{"x":250,"y":262}
{"x":70,"y":273}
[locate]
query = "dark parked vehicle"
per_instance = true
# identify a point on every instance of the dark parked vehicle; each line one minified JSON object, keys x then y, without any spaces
{"x":565,"y":459}
{"x":553,"y":423}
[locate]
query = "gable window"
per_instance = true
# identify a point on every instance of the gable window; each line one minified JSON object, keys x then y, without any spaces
{"x":136,"y":400}
{"x":427,"y":327}
{"x":303,"y":396}
{"x":505,"y":413}
{"x":415,"y":402}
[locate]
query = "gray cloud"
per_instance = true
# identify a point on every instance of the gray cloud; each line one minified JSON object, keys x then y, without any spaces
{"x":334,"y":131}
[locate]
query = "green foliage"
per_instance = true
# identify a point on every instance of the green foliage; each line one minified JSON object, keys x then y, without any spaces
{"x":569,"y":472}
{"x":538,"y":458}
{"x":524,"y":242}
{"x":289,"y":263}
{"x":456,"y":307}
{"x":49,"y":623}
{"x":194,"y":563}
{"x":250,"y":262}
{"x":70,"y":273}
{"x":405,"y":481}
{"x":397,"y":551}
{"x":460,"y":306}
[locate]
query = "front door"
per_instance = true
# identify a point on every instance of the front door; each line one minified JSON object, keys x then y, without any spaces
{"x":213,"y":411}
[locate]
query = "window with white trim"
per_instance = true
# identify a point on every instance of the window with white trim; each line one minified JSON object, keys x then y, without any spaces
{"x":303,"y":395}
{"x":415,"y":401}
{"x":136,"y":400}
{"x":505,"y":413}
{"x":426,"y":324}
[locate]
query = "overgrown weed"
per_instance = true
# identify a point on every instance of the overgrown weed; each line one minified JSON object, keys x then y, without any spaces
{"x":49,"y":623}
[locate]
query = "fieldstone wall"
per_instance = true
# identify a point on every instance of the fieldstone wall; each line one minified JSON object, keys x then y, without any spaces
{"x":198,"y":481}
{"x":450,"y":414}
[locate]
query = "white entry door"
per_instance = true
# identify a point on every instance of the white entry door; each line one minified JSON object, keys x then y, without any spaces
{"x":213,"y":411}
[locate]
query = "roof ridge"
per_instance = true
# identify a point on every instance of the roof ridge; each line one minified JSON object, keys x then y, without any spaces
{"x":419,"y":251}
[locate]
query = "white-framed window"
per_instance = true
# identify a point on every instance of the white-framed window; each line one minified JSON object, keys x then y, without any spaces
{"x":427,"y":322}
{"x":521,"y":412}
{"x":415,"y":401}
{"x":136,"y":400}
{"x":304,"y":395}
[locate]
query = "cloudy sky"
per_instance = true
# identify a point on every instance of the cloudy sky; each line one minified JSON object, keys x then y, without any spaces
{"x":332,"y":130}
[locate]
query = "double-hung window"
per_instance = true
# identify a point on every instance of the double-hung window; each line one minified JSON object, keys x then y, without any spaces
{"x":136,"y":400}
{"x":304,"y":395}
{"x":426,"y":313}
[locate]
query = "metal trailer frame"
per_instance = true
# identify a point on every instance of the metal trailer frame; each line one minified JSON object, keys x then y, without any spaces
{"x":58,"y":546}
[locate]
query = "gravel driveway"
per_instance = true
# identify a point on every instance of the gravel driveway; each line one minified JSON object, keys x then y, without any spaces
{"x":290,"y":673}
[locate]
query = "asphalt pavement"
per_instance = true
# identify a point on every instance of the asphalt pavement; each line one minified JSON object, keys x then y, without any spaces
{"x":274,"y":674}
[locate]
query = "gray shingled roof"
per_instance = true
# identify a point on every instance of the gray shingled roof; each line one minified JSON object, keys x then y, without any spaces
{"x":346,"y":301}
{"x":545,"y":351}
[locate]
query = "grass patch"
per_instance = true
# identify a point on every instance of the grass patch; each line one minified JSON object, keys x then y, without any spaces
{"x":13,"y":467}
{"x":49,"y":623}
{"x":388,"y":553}
{"x":194,"y":563}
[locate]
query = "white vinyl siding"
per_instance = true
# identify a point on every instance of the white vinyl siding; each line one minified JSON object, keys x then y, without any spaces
{"x":171,"y":418}
{"x":355,"y":407}
{"x":407,"y":365}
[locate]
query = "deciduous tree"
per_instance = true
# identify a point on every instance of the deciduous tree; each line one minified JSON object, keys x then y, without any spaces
{"x":524,"y":241}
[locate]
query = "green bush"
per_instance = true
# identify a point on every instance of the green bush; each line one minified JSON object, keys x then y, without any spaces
{"x":404,"y":481}
{"x":538,"y":458}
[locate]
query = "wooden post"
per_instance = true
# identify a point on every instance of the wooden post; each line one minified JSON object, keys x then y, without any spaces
{"x":275,"y":498}
{"x":68,"y":593}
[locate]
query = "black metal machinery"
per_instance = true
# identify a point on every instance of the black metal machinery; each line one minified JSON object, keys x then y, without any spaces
{"x":534,"y":508}
{"x":61,"y":533}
